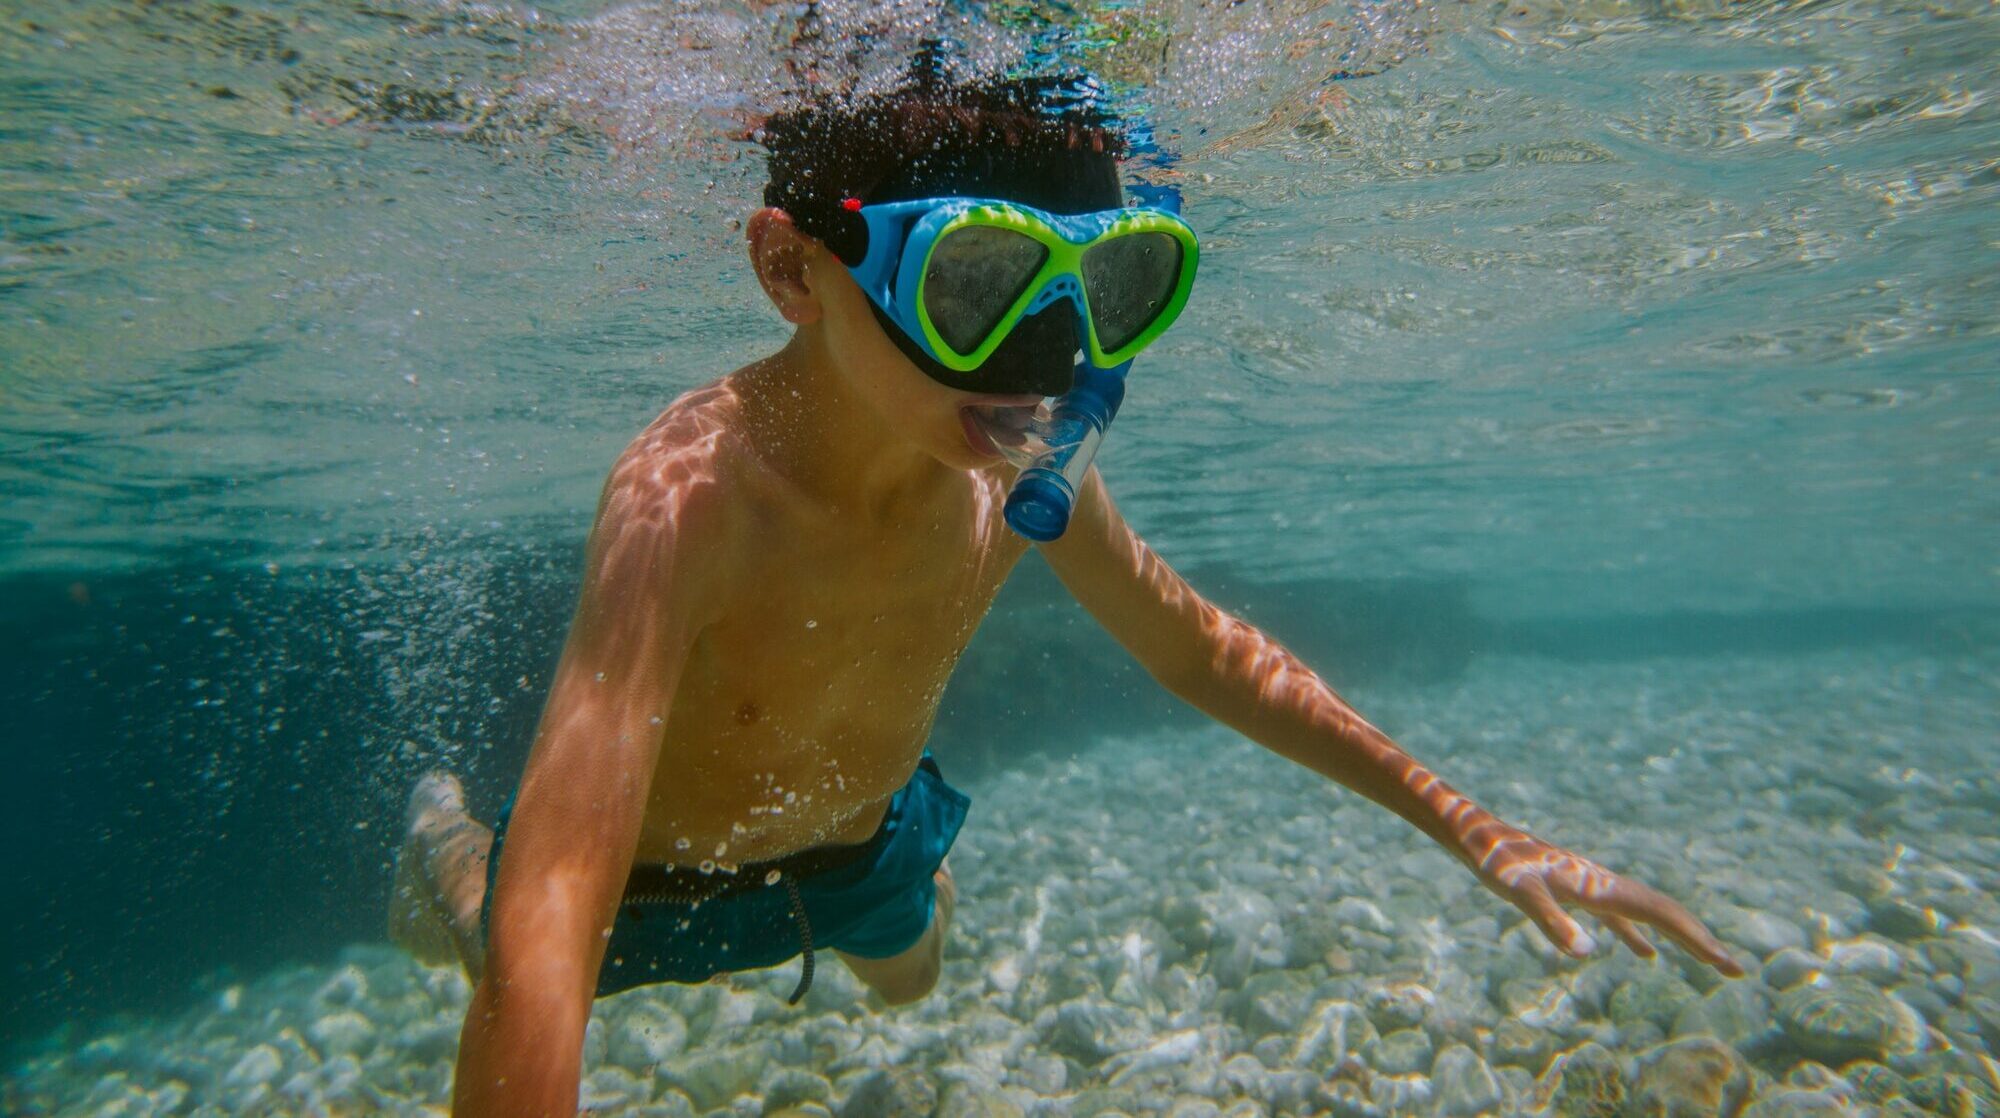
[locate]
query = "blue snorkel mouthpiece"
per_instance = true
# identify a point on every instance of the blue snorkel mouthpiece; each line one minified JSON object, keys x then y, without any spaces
{"x":1064,"y":445}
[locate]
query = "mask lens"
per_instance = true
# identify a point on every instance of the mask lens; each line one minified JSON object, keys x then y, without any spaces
{"x":975,"y":273}
{"x":1128,"y":281}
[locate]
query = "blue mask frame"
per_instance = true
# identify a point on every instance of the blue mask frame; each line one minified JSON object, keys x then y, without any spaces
{"x":902,"y":235}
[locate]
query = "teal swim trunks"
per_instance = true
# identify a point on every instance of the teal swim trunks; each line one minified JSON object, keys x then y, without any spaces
{"x":873,"y":899}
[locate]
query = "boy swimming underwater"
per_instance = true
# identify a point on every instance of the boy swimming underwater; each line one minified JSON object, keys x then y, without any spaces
{"x":784,"y":568}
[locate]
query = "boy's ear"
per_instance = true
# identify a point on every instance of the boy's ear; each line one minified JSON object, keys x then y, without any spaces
{"x":779,"y":251}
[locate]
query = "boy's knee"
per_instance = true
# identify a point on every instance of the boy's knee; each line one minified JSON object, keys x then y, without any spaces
{"x":912,"y":985}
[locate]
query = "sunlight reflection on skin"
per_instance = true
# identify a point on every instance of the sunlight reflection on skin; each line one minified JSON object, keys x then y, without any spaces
{"x":1254,"y":684}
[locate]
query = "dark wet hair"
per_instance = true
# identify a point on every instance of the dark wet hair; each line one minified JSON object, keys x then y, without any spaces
{"x":1043,"y":142}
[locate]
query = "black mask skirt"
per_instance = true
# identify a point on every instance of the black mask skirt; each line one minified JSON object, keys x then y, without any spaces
{"x":1038,"y":357}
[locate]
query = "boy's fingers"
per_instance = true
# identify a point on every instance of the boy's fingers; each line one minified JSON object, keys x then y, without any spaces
{"x":1630,"y":933}
{"x":1645,"y":905}
{"x":1531,"y":895}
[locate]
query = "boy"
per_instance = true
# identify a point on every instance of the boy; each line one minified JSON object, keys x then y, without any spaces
{"x":784,"y":568}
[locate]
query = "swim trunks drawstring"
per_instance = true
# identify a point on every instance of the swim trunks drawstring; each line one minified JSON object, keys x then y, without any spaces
{"x":805,"y":940}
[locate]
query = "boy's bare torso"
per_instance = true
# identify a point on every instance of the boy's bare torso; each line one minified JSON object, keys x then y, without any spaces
{"x":808,"y":697}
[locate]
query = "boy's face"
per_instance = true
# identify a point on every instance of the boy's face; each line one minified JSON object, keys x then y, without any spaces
{"x":943,"y":422}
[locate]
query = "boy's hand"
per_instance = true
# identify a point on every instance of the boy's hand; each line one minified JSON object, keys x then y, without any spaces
{"x":1540,"y":879}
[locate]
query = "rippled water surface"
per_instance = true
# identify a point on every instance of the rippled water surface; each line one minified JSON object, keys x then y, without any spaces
{"x":1679,"y":298}
{"x":1546,"y":356}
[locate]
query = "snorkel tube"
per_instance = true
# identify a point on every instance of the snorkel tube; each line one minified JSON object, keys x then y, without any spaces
{"x":1044,"y":495}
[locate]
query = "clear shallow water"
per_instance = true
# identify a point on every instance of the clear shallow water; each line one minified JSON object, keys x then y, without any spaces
{"x":1575,"y":349}
{"x":1715,"y":287}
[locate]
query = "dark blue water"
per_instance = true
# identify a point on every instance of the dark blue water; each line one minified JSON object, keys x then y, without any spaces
{"x":207,"y":765}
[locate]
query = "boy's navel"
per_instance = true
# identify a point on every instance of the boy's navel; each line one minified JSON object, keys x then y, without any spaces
{"x":746,"y":713}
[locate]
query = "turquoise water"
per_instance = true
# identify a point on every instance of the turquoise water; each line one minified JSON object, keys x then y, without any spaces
{"x":1601,"y":395}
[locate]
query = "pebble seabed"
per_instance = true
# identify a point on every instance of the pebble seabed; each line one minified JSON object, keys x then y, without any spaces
{"x":1187,"y":926}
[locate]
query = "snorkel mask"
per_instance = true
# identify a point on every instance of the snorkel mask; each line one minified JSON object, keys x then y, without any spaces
{"x":993,"y":296}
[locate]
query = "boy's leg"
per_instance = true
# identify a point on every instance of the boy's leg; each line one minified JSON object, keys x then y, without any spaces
{"x":904,"y":978}
{"x":441,"y":877}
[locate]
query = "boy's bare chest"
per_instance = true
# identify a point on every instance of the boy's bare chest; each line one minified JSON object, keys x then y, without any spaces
{"x":806,"y":704}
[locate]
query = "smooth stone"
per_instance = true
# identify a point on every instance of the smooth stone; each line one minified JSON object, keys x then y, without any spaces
{"x":964,"y":1101}
{"x":1840,"y":1019}
{"x":1986,"y":1012}
{"x":1864,"y":958}
{"x":1591,"y":987}
{"x":1461,"y":1012}
{"x":713,"y":1077}
{"x":613,"y":1087}
{"x":1273,"y":1050}
{"x":1761,"y":933}
{"x":669,"y":1103}
{"x":790,"y":1086}
{"x":1089,"y":1031}
{"x":1271,"y":1002}
{"x":1585,"y":1082}
{"x":448,"y":987}
{"x":1403,"y":1052}
{"x":103,"y":1053}
{"x":1102,"y":1102}
{"x":1790,"y":967}
{"x":345,"y":1033}
{"x":169,"y":1098}
{"x":346,"y":989}
{"x":1333,"y":1029}
{"x":1517,"y":1084}
{"x":1639,"y":1035}
{"x":1004,"y":973}
{"x":1400,"y":1094}
{"x":428,"y":1042}
{"x":1900,"y":920}
{"x":1249,"y":935}
{"x":1287,"y":1090}
{"x":900,"y":1092}
{"x":1523,"y":1046}
{"x":646,"y":1036}
{"x":1694,"y":1077}
{"x":256,"y":1067}
{"x":1041,"y":1073}
{"x":1657,"y":996}
{"x":1809,"y":1076}
{"x":1736,"y":1013}
{"x":1463,"y":1084}
{"x":1345,"y":1097}
{"x":1799,"y":1104}
{"x":1875,"y":1083}
{"x":293,"y":1049}
{"x":1361,"y":912}
{"x":1399,"y":1006}
{"x":1922,"y":999}
{"x":1244,"y":1074}
{"x":1539,"y":1004}
{"x":1972,"y":960}
{"x":251,"y":1101}
{"x":1972,"y":1094}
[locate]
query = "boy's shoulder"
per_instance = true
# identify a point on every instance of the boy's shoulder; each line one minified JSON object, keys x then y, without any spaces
{"x":676,"y":474}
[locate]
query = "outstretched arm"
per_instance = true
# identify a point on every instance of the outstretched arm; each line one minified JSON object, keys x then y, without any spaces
{"x":577,"y":817}
{"x":1241,"y":677}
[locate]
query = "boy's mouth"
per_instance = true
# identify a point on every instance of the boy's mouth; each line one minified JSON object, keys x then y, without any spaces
{"x":990,"y":427}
